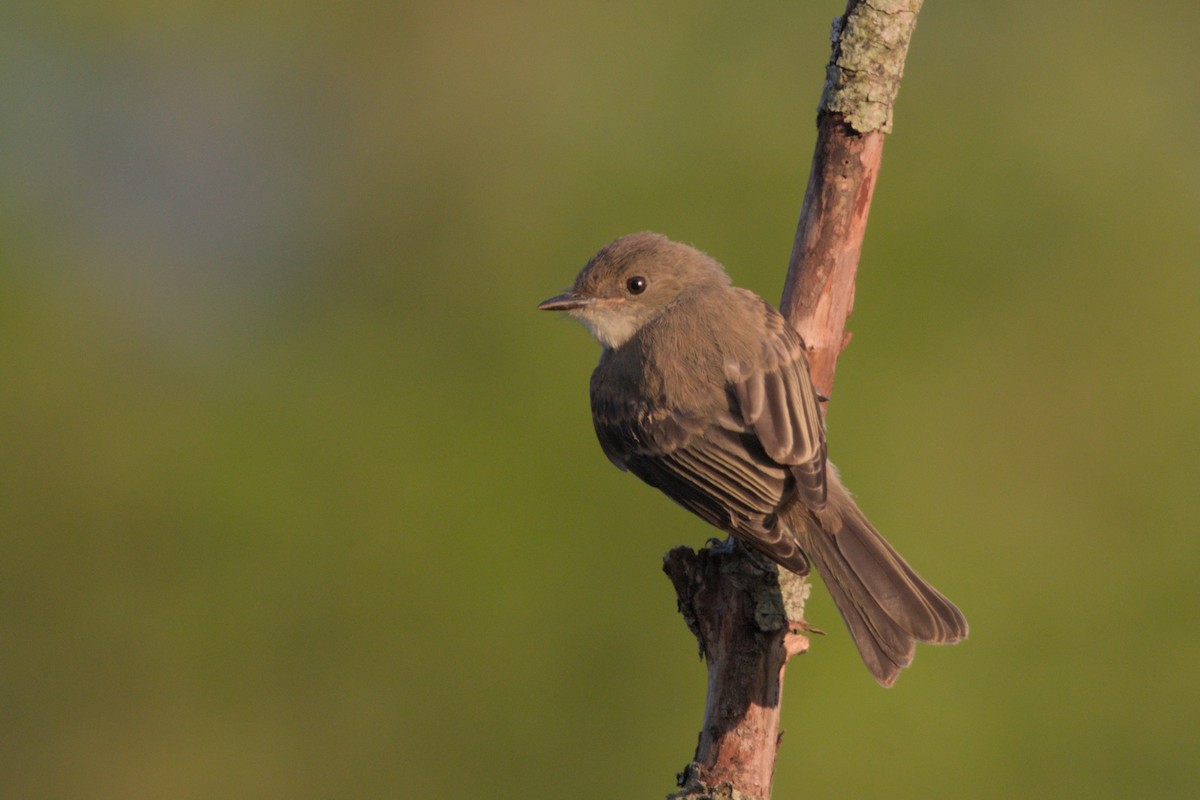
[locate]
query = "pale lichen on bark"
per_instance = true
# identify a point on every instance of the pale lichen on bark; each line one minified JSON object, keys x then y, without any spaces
{"x":862,"y":78}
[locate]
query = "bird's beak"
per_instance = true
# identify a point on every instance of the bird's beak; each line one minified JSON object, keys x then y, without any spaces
{"x":567,"y":301}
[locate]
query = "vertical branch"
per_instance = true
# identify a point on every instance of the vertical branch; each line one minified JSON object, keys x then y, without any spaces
{"x":748,"y":617}
{"x":862,"y":80}
{"x":745,"y":615}
{"x":818,"y":293}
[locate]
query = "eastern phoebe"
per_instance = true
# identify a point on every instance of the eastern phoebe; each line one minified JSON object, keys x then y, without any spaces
{"x":703,"y":392}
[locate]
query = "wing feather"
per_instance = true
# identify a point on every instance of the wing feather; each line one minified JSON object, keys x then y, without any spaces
{"x":778,"y":403}
{"x":723,"y":476}
{"x":736,"y":455}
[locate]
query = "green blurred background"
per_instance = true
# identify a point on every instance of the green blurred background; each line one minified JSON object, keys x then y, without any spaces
{"x":299,"y":496}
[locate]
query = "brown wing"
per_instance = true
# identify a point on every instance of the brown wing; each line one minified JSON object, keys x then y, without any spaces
{"x":776,"y":400}
{"x":718,"y":470}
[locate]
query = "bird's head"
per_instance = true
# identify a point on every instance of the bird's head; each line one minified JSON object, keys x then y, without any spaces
{"x":631,"y":281}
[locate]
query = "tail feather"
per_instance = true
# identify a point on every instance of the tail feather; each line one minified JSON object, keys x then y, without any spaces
{"x":887,"y":606}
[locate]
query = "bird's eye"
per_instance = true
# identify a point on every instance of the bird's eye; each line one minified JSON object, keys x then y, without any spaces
{"x":636,"y":284}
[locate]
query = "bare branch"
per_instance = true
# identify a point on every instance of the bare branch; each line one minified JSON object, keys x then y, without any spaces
{"x":747,"y":616}
{"x":862,"y":79}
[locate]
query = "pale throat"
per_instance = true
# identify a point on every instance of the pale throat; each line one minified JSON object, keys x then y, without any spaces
{"x":610,"y":324}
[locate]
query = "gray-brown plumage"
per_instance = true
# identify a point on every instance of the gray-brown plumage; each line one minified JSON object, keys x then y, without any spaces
{"x":703,"y":392}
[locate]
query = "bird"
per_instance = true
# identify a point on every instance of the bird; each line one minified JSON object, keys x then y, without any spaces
{"x":703,"y":391}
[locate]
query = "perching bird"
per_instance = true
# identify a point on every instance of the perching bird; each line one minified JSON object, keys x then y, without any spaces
{"x":703,"y":392}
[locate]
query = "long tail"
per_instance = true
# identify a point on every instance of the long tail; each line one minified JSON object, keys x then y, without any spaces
{"x":887,"y":606}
